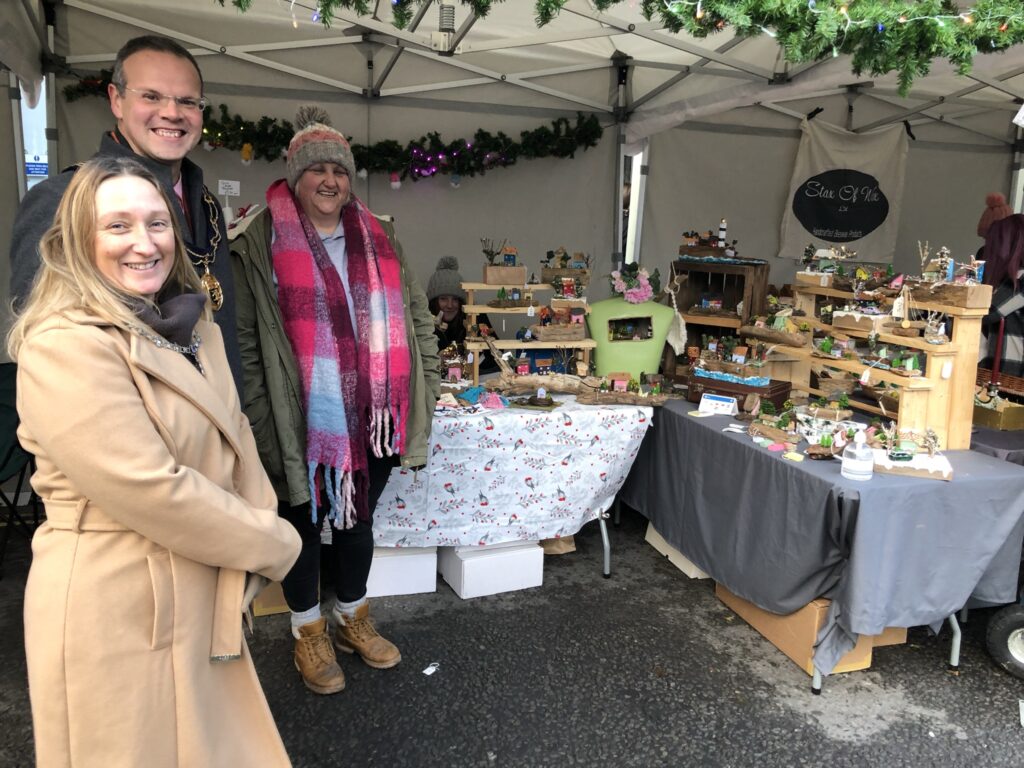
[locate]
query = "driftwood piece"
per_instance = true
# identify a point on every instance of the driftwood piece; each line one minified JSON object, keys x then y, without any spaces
{"x":775,"y":337}
{"x":565,"y":383}
{"x":821,"y":452}
{"x":572,"y":332}
{"x":772,"y":433}
{"x":512,"y":303}
{"x":829,"y":414}
{"x":597,"y":397}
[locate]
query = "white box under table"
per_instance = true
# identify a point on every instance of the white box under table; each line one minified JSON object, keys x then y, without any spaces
{"x":402,"y":571}
{"x":488,"y":570}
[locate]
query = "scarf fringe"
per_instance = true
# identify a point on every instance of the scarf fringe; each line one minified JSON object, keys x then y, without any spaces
{"x":381,"y":424}
{"x":340,"y":488}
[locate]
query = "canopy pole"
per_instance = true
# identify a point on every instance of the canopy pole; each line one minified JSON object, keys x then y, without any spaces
{"x":53,"y":163}
{"x":14,"y":92}
{"x":1016,"y":177}
{"x":622,"y":70}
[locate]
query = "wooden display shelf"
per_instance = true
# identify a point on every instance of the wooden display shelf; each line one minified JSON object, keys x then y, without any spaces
{"x":719,"y":321}
{"x":911,"y":342}
{"x":927,"y":306}
{"x":942,"y":399}
{"x":517,"y":344}
{"x":483,"y":309}
{"x":473,"y":309}
{"x":855,"y":366}
{"x":520,"y":286}
{"x":866,"y":407}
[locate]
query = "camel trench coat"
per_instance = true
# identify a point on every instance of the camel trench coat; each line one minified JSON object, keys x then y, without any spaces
{"x":157,"y":508}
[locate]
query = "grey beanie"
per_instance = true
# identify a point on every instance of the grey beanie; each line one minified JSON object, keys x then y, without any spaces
{"x":446,"y":280}
{"x":314,"y":142}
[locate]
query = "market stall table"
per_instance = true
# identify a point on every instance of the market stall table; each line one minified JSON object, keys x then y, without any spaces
{"x":495,"y":476}
{"x":1008,"y":446}
{"x":893,"y":552}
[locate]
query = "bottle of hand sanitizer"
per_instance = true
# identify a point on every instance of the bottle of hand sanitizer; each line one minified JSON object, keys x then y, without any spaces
{"x":858,"y":459}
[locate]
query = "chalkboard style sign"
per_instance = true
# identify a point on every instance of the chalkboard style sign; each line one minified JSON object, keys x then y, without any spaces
{"x":840,"y":206}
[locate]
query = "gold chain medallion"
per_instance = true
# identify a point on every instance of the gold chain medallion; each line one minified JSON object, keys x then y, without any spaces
{"x":213,"y":287}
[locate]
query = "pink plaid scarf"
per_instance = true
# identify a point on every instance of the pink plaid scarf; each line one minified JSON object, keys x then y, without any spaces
{"x":355,"y":382}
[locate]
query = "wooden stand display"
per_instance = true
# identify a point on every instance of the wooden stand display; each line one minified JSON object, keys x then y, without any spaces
{"x":746,"y":281}
{"x":942,"y":399}
{"x":472,"y":309}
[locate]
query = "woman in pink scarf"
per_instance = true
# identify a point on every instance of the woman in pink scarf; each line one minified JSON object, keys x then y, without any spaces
{"x":341,"y":375}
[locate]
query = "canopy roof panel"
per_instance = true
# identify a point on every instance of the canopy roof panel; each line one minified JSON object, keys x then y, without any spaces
{"x":504,"y":61}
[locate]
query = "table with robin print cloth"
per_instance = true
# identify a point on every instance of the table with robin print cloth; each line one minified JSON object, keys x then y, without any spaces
{"x":891,"y":552}
{"x":494,"y":476}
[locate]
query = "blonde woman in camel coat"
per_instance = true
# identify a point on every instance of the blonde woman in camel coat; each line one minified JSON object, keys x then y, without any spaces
{"x":158,"y":513}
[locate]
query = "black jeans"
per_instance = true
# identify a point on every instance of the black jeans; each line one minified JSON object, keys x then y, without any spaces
{"x":351,"y":550}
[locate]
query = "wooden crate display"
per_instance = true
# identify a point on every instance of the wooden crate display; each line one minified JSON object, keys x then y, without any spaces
{"x":739,"y":280}
{"x":551,"y":274}
{"x":501,"y":275}
{"x":941,"y":399}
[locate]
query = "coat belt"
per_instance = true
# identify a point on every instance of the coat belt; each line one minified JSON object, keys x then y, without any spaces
{"x":78,"y":516}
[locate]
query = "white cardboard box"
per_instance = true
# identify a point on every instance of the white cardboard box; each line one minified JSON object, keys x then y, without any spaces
{"x":402,"y":571}
{"x":674,"y":556}
{"x":479,"y":571}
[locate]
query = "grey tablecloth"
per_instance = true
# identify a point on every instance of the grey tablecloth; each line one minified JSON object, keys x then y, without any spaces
{"x":1008,"y":446}
{"x":895,"y":551}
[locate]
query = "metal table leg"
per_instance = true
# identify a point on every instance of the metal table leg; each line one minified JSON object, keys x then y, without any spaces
{"x":606,"y":544}
{"x":816,"y":682}
{"x":954,"y":650}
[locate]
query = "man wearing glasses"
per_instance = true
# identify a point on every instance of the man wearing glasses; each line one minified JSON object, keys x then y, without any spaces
{"x":156,"y":95}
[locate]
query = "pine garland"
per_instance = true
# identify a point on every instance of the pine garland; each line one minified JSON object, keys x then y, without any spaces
{"x":427,"y":156}
{"x":882,"y":36}
{"x":91,"y":85}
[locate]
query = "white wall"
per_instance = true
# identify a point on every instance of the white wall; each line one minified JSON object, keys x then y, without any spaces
{"x":700,"y":174}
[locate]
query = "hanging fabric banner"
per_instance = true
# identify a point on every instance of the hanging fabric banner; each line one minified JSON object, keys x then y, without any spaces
{"x":847,"y":189}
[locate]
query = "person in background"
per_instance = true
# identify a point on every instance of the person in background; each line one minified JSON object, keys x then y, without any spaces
{"x":447,"y":298}
{"x":996,"y":209}
{"x":160,"y":523}
{"x":341,"y":377}
{"x":156,"y":97}
{"x":1004,"y":267}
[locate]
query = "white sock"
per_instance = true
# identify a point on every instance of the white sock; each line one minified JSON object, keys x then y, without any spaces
{"x":303,"y":618}
{"x":348,"y":610}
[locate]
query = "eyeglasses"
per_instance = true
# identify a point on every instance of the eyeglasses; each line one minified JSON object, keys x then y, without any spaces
{"x":154,"y":98}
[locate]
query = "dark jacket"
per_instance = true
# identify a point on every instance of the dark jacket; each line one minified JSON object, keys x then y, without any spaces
{"x":40,"y":204}
{"x":272,"y":396}
{"x":455,"y":333}
{"x":1008,"y":305}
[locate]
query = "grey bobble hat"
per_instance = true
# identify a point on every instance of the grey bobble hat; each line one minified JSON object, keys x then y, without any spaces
{"x":314,"y":142}
{"x":446,"y":280}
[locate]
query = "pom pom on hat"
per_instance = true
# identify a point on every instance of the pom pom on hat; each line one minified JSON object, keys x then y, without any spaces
{"x":314,"y":142}
{"x":446,"y":280}
{"x":995,"y":210}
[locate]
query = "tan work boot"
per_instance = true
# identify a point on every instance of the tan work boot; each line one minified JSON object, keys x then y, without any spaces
{"x":315,"y":659}
{"x":358,"y":635}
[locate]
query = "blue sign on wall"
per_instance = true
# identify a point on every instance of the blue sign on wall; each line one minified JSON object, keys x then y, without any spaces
{"x":36,"y":169}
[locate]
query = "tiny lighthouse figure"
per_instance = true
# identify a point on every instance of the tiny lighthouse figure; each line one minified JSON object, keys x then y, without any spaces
{"x":721,"y":234}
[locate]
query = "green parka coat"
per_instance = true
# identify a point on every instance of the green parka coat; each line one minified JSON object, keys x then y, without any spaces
{"x":273,"y":395}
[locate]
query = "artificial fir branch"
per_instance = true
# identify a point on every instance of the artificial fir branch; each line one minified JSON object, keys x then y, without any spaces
{"x":269,"y":139}
{"x":881,"y":36}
